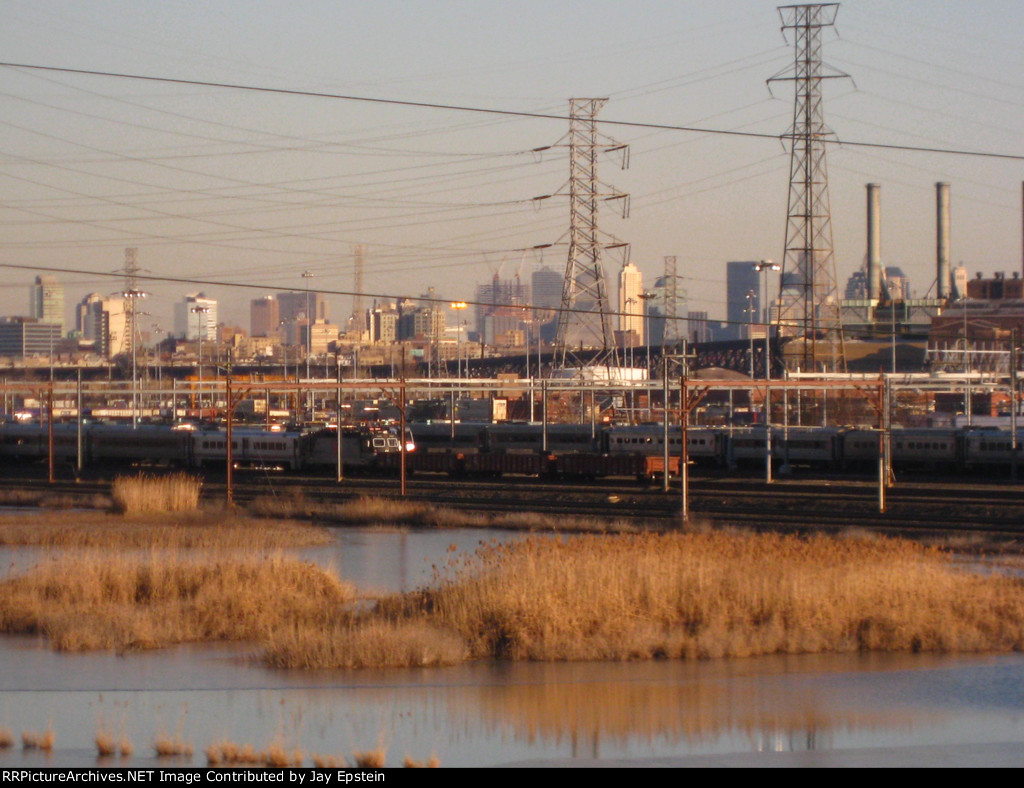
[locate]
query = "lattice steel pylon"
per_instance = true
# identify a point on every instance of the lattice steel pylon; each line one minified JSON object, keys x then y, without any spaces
{"x":130,"y":294}
{"x":808,"y":307}
{"x":584,"y":317}
{"x":674,"y":331}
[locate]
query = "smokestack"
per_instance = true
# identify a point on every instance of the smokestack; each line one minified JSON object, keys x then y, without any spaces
{"x":942,"y":272}
{"x":874,"y":243}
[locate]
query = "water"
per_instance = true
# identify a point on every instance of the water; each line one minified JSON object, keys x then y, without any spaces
{"x":806,"y":710}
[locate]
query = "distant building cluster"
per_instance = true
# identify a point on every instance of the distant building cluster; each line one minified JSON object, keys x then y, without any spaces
{"x":505,"y":317}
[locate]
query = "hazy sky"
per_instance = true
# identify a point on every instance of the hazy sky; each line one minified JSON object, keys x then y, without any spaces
{"x":246,"y":190}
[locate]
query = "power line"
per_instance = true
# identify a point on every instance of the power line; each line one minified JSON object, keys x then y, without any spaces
{"x":504,"y":112}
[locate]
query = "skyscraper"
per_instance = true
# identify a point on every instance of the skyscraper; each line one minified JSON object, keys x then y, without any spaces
{"x":741,"y":278}
{"x":631,"y":305}
{"x":47,"y":301}
{"x":190,"y":323}
{"x":264,"y":316}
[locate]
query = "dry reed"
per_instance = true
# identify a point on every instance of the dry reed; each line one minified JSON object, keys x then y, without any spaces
{"x":695,"y":595}
{"x":105,"y":745}
{"x":370,"y":759}
{"x":710,"y":595}
{"x":172,"y":747}
{"x":329,"y":762}
{"x":93,"y":602}
{"x":32,"y":740}
{"x":148,"y":494}
{"x":194,"y":530}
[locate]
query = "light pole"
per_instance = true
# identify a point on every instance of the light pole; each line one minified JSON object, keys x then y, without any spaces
{"x":750,"y":330}
{"x":764,"y":267}
{"x":201,"y":322}
{"x":645,"y":297}
{"x":458,"y":306}
{"x":157,"y":331}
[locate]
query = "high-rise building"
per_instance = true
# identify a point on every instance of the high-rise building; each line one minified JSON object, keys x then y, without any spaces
{"x":742,"y":278}
{"x":27,"y":336}
{"x":104,"y":320}
{"x":496,"y":294}
{"x":631,"y":305}
{"x":301,"y":304}
{"x":47,"y":301}
{"x":264,"y":316}
{"x":196,"y":316}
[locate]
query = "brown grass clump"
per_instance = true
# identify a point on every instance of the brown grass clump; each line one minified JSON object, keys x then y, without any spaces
{"x":329,"y":762}
{"x":363,"y":644}
{"x":226,"y":753}
{"x":148,"y":494}
{"x":370,"y":759}
{"x":713,"y":595}
{"x":105,"y":744}
{"x":432,"y":763}
{"x":195,"y":530}
{"x":92,"y":602}
{"x":33,"y":740}
{"x":172,"y":747}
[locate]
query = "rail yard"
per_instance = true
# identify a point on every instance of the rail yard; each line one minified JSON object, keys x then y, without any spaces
{"x":837,"y":460}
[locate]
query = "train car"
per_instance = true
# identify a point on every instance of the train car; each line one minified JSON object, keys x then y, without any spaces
{"x":816,"y":447}
{"x":468,"y":438}
{"x":250,"y":448}
{"x":987,"y":447}
{"x":747,"y":446}
{"x":860,"y":449}
{"x":515,"y":438}
{"x":148,"y":445}
{"x":927,"y":448}
{"x":705,"y":445}
{"x":30,"y":441}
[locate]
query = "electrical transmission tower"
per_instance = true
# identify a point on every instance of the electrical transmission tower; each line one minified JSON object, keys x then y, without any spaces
{"x":130,"y":294}
{"x":673,"y":331}
{"x":584,"y":318}
{"x":808,"y":307}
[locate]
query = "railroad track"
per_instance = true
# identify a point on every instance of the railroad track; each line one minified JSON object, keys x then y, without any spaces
{"x":968,"y":510}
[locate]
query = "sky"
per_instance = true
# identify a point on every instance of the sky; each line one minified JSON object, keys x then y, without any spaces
{"x":237,"y":193}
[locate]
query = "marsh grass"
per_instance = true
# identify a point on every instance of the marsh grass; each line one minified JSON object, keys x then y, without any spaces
{"x":370,"y":759}
{"x":375,"y":510}
{"x":95,"y":601}
{"x":692,"y":596}
{"x":150,"y":493}
{"x":38,"y":740}
{"x":195,"y":530}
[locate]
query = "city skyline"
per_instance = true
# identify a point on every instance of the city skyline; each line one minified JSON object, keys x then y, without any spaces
{"x":237,"y":193}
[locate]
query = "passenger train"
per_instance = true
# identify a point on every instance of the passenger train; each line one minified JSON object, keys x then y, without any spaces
{"x":464,"y":449}
{"x":102,"y":444}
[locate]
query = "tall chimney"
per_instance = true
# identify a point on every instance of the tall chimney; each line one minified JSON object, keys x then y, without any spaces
{"x":942,"y":272}
{"x":874,"y":243}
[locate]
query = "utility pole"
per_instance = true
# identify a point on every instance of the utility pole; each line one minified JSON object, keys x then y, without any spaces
{"x":810,"y":309}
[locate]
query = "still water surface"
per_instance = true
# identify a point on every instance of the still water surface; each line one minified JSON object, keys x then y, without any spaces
{"x":808,"y":710}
